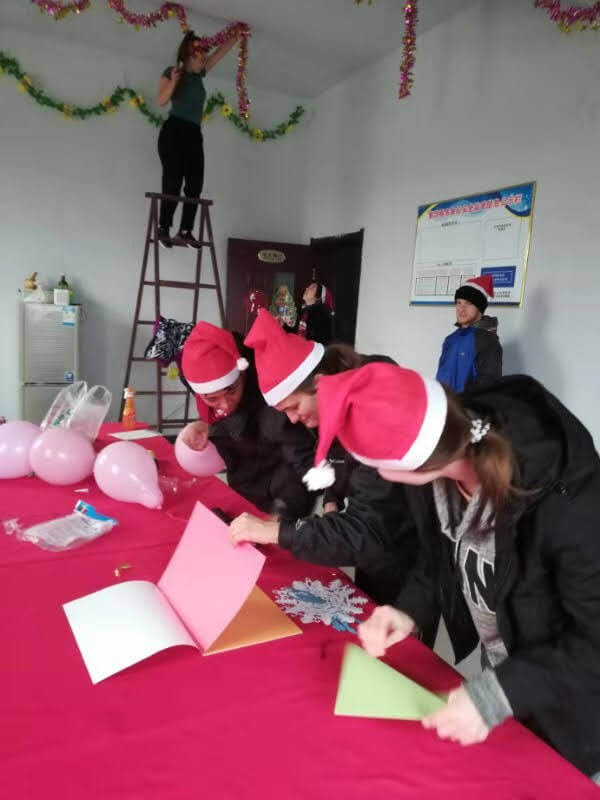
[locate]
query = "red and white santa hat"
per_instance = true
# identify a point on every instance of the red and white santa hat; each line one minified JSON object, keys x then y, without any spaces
{"x":283,"y":360}
{"x":478,"y":291}
{"x":385,"y":416}
{"x":211,"y":360}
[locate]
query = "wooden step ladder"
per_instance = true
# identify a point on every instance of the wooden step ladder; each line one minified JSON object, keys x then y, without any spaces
{"x":205,"y":240}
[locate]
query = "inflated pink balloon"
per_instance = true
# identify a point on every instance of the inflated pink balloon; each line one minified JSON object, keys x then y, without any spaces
{"x":16,"y":439}
{"x":126,"y":471}
{"x":62,"y":456}
{"x":198,"y":462}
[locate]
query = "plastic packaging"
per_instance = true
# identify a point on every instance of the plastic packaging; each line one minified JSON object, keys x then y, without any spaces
{"x":79,"y":409}
{"x":63,"y":405}
{"x":39,"y":295}
{"x":174,"y":485}
{"x":84,"y":525}
{"x":91,"y":411}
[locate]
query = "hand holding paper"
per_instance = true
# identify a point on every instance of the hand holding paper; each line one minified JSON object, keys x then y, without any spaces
{"x":370,"y":688}
{"x":459,"y":720}
{"x":386,"y":626}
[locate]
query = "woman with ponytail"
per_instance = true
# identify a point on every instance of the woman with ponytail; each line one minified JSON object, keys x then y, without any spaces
{"x":180,"y":143}
{"x":504,"y":486}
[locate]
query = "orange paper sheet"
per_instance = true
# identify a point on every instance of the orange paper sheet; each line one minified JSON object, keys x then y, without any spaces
{"x":259,"y":620}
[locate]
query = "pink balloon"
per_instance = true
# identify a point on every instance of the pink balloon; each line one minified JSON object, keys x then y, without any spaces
{"x":125,"y":471}
{"x":62,"y":456}
{"x":16,"y":439}
{"x":198,"y":462}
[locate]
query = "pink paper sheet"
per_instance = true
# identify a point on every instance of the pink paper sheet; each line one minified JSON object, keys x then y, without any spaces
{"x":208,"y":578}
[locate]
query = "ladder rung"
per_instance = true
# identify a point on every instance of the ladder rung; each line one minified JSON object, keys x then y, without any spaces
{"x":141,"y":358}
{"x":172,"y":423}
{"x":146,"y":322}
{"x":173,"y":242}
{"x":153,"y":391}
{"x":182,"y":198}
{"x":182,"y":284}
{"x":197,"y":245}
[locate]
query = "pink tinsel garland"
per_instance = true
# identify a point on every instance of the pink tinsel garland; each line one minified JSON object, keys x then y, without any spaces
{"x":409,"y":42}
{"x":566,"y":18}
{"x":166,"y":11}
{"x":59,"y":10}
{"x":242,"y":31}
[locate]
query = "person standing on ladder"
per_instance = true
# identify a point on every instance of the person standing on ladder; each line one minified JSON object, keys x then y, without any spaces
{"x":180,"y":143}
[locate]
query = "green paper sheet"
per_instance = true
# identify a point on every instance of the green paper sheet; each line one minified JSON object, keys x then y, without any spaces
{"x":369,"y":688}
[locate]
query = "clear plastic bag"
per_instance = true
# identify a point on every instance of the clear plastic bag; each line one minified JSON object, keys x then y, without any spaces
{"x":90,"y":412}
{"x":84,"y":525}
{"x":79,"y":409}
{"x":174,"y":485}
{"x":63,"y":405}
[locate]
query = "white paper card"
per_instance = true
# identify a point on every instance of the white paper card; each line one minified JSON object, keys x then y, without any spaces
{"x":123,"y":624}
{"x":142,"y":433}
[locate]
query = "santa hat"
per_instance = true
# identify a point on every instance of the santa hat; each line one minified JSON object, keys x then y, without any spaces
{"x":211,"y":360}
{"x":478,"y":291}
{"x":283,"y":360}
{"x":385,"y":416}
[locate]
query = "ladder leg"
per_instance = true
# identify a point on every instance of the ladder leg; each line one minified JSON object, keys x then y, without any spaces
{"x":159,"y":398}
{"x":149,"y":229}
{"x":198,"y":265}
{"x":213,"y":255}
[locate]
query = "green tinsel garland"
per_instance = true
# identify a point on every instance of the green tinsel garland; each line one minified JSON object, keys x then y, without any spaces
{"x":110,"y":104}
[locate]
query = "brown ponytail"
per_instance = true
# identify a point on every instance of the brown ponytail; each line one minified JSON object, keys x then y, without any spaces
{"x":492,"y":457}
{"x":338,"y":357}
{"x":494,"y":463}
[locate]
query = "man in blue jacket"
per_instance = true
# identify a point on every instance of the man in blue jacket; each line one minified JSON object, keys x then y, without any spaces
{"x":472,"y":355}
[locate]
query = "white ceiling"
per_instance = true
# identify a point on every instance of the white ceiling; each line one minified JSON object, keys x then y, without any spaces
{"x":298,"y":47}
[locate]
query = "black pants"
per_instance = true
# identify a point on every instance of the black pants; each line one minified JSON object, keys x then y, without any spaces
{"x":181,"y":152}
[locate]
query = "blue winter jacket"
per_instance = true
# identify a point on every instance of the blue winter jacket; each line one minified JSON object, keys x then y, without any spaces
{"x":471,"y":356}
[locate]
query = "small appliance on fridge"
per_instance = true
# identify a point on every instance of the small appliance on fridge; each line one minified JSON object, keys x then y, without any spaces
{"x":49,"y":345}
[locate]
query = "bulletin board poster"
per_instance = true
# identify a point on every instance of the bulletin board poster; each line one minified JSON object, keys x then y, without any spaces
{"x":481,"y":234}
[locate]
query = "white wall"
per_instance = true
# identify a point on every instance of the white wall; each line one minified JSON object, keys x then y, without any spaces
{"x":500,"y":97}
{"x":71,"y":196}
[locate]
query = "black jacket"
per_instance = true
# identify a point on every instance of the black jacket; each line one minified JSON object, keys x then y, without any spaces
{"x":266,"y":456}
{"x":315,"y":322}
{"x":546,"y":575}
{"x":374,"y":534}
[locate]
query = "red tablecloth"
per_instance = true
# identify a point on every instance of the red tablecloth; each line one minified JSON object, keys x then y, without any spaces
{"x":248,"y":724}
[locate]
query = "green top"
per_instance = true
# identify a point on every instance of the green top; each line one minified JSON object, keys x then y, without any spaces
{"x":188,"y":98}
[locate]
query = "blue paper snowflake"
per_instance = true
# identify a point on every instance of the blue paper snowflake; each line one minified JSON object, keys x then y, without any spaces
{"x":336,"y":605}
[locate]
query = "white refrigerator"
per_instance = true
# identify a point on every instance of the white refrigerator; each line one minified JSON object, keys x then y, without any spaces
{"x":49,"y":350}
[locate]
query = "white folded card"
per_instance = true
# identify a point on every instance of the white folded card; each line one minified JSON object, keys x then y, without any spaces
{"x":140,"y":433}
{"x":203,"y":587}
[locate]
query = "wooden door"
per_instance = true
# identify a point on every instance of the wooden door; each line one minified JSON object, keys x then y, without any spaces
{"x":337,"y":262}
{"x":259,"y":273}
